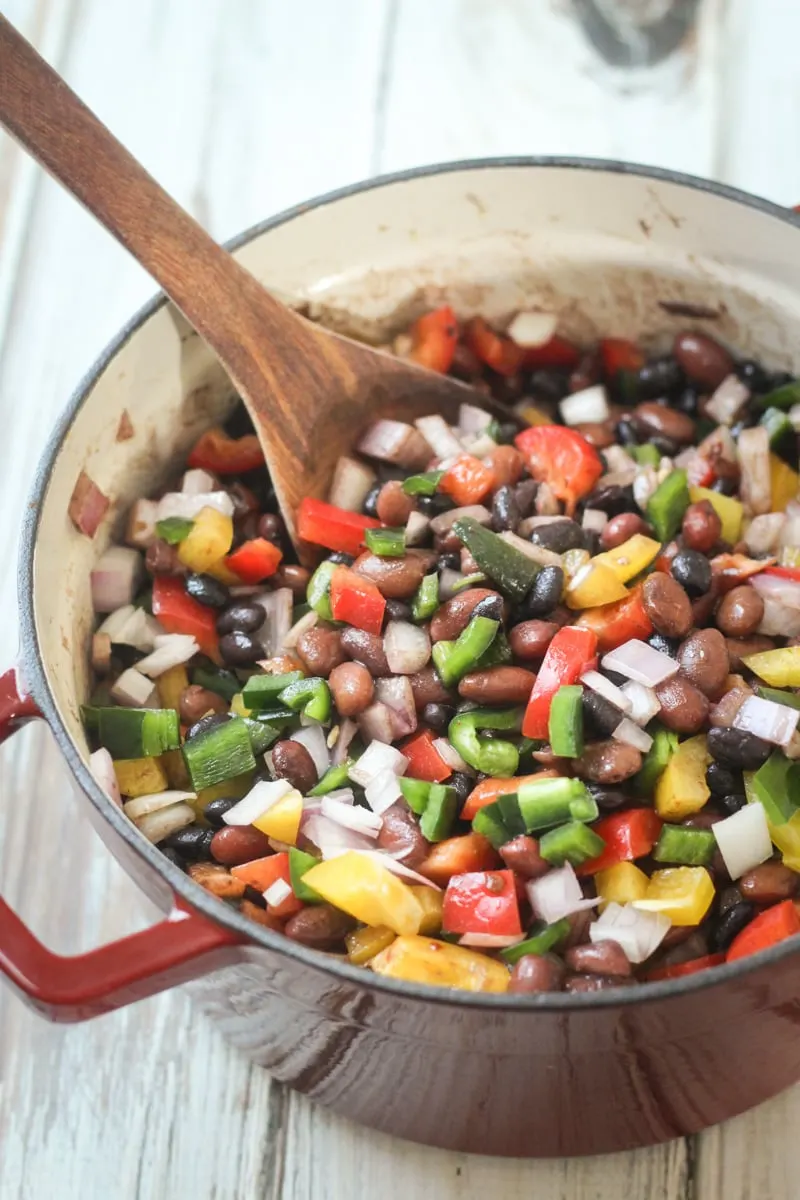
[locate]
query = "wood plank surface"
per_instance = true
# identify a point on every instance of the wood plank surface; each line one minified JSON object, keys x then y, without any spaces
{"x":241,"y":109}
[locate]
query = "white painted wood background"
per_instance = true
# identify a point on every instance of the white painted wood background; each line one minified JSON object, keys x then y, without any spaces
{"x":242,"y":107}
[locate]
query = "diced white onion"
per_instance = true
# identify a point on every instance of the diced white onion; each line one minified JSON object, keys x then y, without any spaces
{"x":259,"y":800}
{"x":133,"y":690}
{"x":632,"y":735}
{"x":530,"y":329}
{"x":407,"y":647}
{"x":608,"y":690}
{"x":198,"y":482}
{"x":755,"y":488}
{"x":377,"y":723}
{"x":447,"y":751}
{"x":774,"y":723}
{"x":115,"y":578}
{"x":781,"y":605}
{"x":345,"y":795}
{"x":640,"y":662}
{"x":743,"y":839}
{"x":331,"y":838}
{"x":352,"y":482}
{"x":589,"y":405}
{"x":313,"y":738}
{"x":376,"y":758}
{"x":638,"y":933}
{"x":306,"y":622}
{"x":130,"y":626}
{"x":383,"y":791}
{"x":594,"y":520}
{"x":101,"y":765}
{"x":398,"y":696}
{"x":445,"y":521}
{"x":347,"y":731}
{"x":140,"y":530}
{"x":790,"y":530}
{"x":491,"y":941}
{"x":480,"y":445}
{"x":179,"y":504}
{"x":417,"y":527}
{"x":537,"y":554}
{"x":278,"y":621}
{"x":396,"y":442}
{"x":719,"y":444}
{"x":172,"y":649}
{"x":643,"y":700}
{"x":277,"y":892}
{"x":557,"y":894}
{"x":439,"y":436}
{"x":362,"y":820}
{"x":764,"y":532}
{"x":158,"y":825}
{"x":142,"y":806}
{"x":449,"y":581}
{"x":472,"y":419}
{"x":728,"y":400}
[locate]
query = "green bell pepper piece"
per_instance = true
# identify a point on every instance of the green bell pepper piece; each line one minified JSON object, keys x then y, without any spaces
{"x":688,"y":847}
{"x":454,"y":659}
{"x":137,"y":732}
{"x":386,"y":542}
{"x":539,"y":943}
{"x":440,"y":813}
{"x":488,"y":822}
{"x":426,"y":599}
{"x":777,"y":425}
{"x":311,"y":696}
{"x":219,"y":753}
{"x":512,"y":571}
{"x":645,"y":456}
{"x":173,"y":529}
{"x":790,"y":699}
{"x":416,"y":793}
{"x":262,"y":691}
{"x":422,"y":485}
{"x":783,"y":397}
{"x":664,"y":745}
{"x":299,"y":863}
{"x":318,"y":592}
{"x":574,"y":842}
{"x":547,"y":802}
{"x":493,"y":756}
{"x":777,"y":785}
{"x":566,"y":721}
{"x":668,"y":503}
{"x":334,"y":777}
{"x":217,"y":679}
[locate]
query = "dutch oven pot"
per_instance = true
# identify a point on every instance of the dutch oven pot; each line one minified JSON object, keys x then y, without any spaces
{"x":612,"y":249}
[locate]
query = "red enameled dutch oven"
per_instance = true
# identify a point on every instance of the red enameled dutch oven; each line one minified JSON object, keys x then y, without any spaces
{"x":614,"y":250}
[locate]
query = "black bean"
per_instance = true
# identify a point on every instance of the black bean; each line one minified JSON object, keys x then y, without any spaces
{"x":215,"y":810}
{"x":491,"y":607}
{"x":626,"y":432}
{"x":240,"y":649}
{"x":207,"y":590}
{"x":558,"y":536}
{"x":463,"y":785}
{"x":432,"y":506}
{"x":666,"y":645}
{"x":665,"y":445}
{"x":725,"y":929}
{"x":192,"y":843}
{"x":525,"y":496}
{"x":438,"y":716}
{"x":241,"y":616}
{"x":735,"y":748}
{"x":591,"y":541}
{"x":549,"y":383}
{"x":732,"y":803}
{"x":208,"y":722}
{"x":254,"y":896}
{"x":450,"y":561}
{"x":398,"y":610}
{"x":722,"y":780}
{"x":615,"y":677}
{"x":505,"y":510}
{"x":340,"y":558}
{"x":692,"y":570}
{"x":370,"y":505}
{"x":612,"y":499}
{"x":506,"y":432}
{"x":779,"y":379}
{"x":753,"y":374}
{"x":687,"y":401}
{"x":728,"y":898}
{"x":544,"y":594}
{"x":172,"y":855}
{"x":601,"y":714}
{"x":659,"y":377}
{"x":270,"y":526}
{"x":725,"y":485}
{"x":608,"y":799}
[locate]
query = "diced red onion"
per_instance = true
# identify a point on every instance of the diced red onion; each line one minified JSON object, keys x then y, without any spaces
{"x":362,"y":820}
{"x":449,"y":581}
{"x":557,"y":894}
{"x":115,"y":577}
{"x":346,"y":795}
{"x":277,"y":892}
{"x":313,"y":738}
{"x":546,"y":502}
{"x":417,"y":527}
{"x":755,"y":488}
{"x":398,"y":443}
{"x":439,"y":436}
{"x":140,"y":530}
{"x":643,"y":700}
{"x":178,"y":504}
{"x":618,"y":458}
{"x":407,"y":647}
{"x":530,"y":329}
{"x":376,"y":758}
{"x":764,"y":533}
{"x":774,"y":723}
{"x":594,"y":520}
{"x":352,"y":481}
{"x":306,"y":622}
{"x":743,"y":839}
{"x":347,"y":731}
{"x":278,"y":607}
{"x":687,"y":456}
{"x":134,"y":690}
{"x":397,"y":868}
{"x":478,"y":445}
{"x":640,"y":662}
{"x":444,"y":521}
{"x":377,"y":723}
{"x":637,"y":931}
{"x":448,"y":753}
{"x":198,"y":482}
{"x":332,"y":839}
{"x":590,"y":404}
{"x":718,"y":444}
{"x":171,"y":650}
{"x":102,"y":767}
{"x":472,"y":419}
{"x":490,"y":941}
{"x":259,"y":800}
{"x":383,"y":791}
{"x":721,"y":715}
{"x":608,"y":690}
{"x":537,"y":554}
{"x":728,"y":400}
{"x":158,"y":825}
{"x":781,"y":605}
{"x":631,"y":734}
{"x":142,"y":806}
{"x":398,"y":696}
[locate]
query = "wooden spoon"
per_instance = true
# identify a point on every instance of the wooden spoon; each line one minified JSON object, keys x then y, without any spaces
{"x":309,"y":392}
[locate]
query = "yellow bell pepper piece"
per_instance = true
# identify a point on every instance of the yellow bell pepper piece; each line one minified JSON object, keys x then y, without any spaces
{"x":174,"y":765}
{"x":364,"y":944}
{"x":170,"y":685}
{"x":424,"y":960}
{"x":682,"y":789}
{"x":779,"y":668}
{"x":784,"y":483}
{"x":238,"y":706}
{"x":208,"y":541}
{"x":683,"y":894}
{"x":729,"y":511}
{"x":623,"y":883}
{"x":631,"y":557}
{"x":785,"y":837}
{"x":282,"y":821}
{"x":223,"y":573}
{"x":367,"y":891}
{"x":430,"y":901}
{"x":594,"y":584}
{"x":140,"y":776}
{"x":572,"y":562}
{"x":533,"y":415}
{"x":236,"y":788}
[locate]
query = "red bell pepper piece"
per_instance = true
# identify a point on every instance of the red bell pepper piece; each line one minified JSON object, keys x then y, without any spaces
{"x":435,"y":337}
{"x":771,"y":926}
{"x":562,"y":458}
{"x":254,"y":560}
{"x":424,"y":760}
{"x":614,"y":624}
{"x":687,"y":968}
{"x":628,"y":835}
{"x":223,"y":455}
{"x":618,"y":354}
{"x":332,"y":527}
{"x":784,"y":572}
{"x":179,"y":613}
{"x":457,"y":856}
{"x":700,"y":472}
{"x":467,"y":481}
{"x":482,"y":902}
{"x":356,"y":601}
{"x":261,"y":873}
{"x":493,"y":349}
{"x":570,"y":653}
{"x":558,"y":352}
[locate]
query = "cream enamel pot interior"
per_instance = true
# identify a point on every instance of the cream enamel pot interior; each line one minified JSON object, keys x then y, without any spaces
{"x":604,"y":245}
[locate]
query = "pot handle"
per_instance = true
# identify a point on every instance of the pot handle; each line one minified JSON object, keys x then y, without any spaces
{"x":184,"y":946}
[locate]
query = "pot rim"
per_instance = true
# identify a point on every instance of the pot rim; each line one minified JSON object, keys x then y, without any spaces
{"x":35,"y":677}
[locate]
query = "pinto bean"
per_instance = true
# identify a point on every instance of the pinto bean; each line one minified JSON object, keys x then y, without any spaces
{"x":291,"y":761}
{"x":703,"y":359}
{"x":393,"y":506}
{"x":217,"y":879}
{"x":537,"y":973}
{"x":395,"y":578}
{"x":622,"y":527}
{"x":162,"y":559}
{"x":703,"y":658}
{"x":293,"y":576}
{"x":684,"y":707}
{"x":657,"y":420}
{"x":260,"y":915}
{"x":452,"y":617}
{"x":741,"y":648}
{"x":701,"y":527}
{"x":667,"y":604}
{"x":497,"y":685}
{"x":194,"y":702}
{"x":352,"y":688}
{"x":768,"y":883}
{"x":740,"y":611}
{"x":319,"y":926}
{"x":400,"y":835}
{"x":321,"y":650}
{"x":607,"y":762}
{"x":530,"y":639}
{"x":506,"y":462}
{"x":598,"y":958}
{"x":428,"y":688}
{"x":237,"y":844}
{"x":597,"y":433}
{"x":522,"y":855}
{"x":367,"y":649}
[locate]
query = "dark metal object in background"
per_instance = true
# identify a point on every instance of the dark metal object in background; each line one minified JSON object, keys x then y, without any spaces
{"x":637,"y":33}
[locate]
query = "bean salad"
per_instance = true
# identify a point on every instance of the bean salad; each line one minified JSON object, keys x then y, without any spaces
{"x":531,"y":725}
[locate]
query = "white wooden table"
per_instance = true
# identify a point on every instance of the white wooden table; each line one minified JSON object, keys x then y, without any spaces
{"x":242,"y":107}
